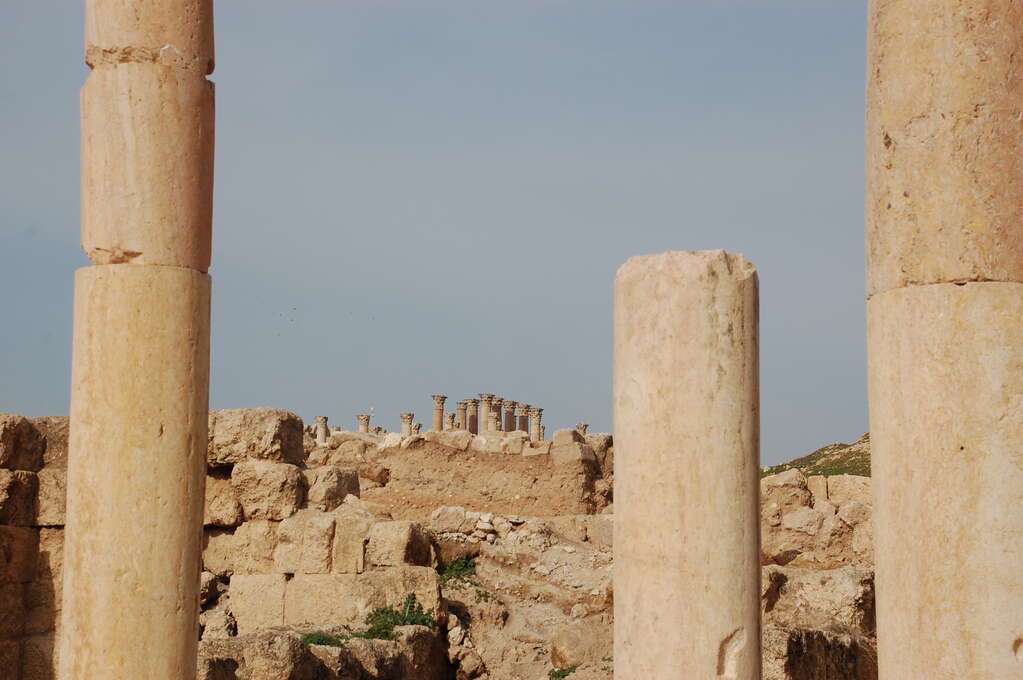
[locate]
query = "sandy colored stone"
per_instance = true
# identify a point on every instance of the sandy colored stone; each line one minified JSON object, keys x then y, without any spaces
{"x":846,"y":488}
{"x":455,"y":439}
{"x":21,"y":444}
{"x":257,"y":601}
{"x":146,"y":128}
{"x":397,"y":543}
{"x":946,"y":396}
{"x":268,"y":490}
{"x":51,"y":502}
{"x":18,"y":552}
{"x":238,"y":435}
{"x":54,"y":430}
{"x":944,"y":144}
{"x":253,"y":546}
{"x":573,"y":452}
{"x":12,"y":610}
{"x":18,"y":489}
{"x":304,"y":543}
{"x":43,"y":593}
{"x":346,"y":599}
{"x":581,"y":642}
{"x":221,"y":509}
{"x":328,"y":485}
{"x":136,"y":469}
{"x":178,"y":33}
{"x":687,"y":594}
{"x":817,"y":485}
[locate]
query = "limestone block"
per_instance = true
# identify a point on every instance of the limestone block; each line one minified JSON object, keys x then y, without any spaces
{"x":687,"y":437}
{"x":376,"y":474}
{"x":514,"y":442}
{"x":600,"y":530}
{"x":351,"y":534}
{"x":237,"y":435}
{"x":399,"y":542}
{"x":217,"y":624}
{"x":946,"y":409}
{"x":10,"y":655}
{"x":817,"y":485}
{"x":574,"y":452}
{"x":139,"y":386}
{"x":346,"y":599}
{"x":18,"y":490}
{"x":944,"y":203}
{"x":12,"y":610}
{"x":602,"y":444}
{"x":453,"y":439}
{"x":221,"y":509}
{"x":447,"y":519}
{"x":267,"y":490}
{"x":328,"y":485}
{"x":797,"y":653}
{"x":538,"y":449}
{"x":218,"y":551}
{"x":254,"y":544}
{"x":43,"y":593}
{"x":841,"y":598}
{"x":19,"y":547}
{"x":846,"y":488}
{"x":391,"y":440}
{"x":273,"y":655}
{"x":52,"y":499}
{"x":257,"y":601}
{"x":162,"y":118}
{"x":21,"y":444}
{"x":782,"y":493}
{"x":579,"y":643}
{"x":54,"y":430}
{"x":304,"y":543}
{"x":487,"y":442}
{"x":178,"y":34}
{"x":568,"y":436}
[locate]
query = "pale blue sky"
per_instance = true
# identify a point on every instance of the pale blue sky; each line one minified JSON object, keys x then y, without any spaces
{"x":421,"y":197}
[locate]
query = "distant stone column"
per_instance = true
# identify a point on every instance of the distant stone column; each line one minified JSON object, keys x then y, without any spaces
{"x":417,"y":428}
{"x":492,"y":421}
{"x":140,"y":366}
{"x":535,"y":433}
{"x":509,"y":415}
{"x":524,"y":417}
{"x":486,"y":403}
{"x":945,"y":342}
{"x":461,"y":422}
{"x":497,"y":406}
{"x":438,"y":412}
{"x":322,"y":431}
{"x":685,"y":327}
{"x":449,"y":420}
{"x":472,"y":415}
{"x":582,"y":427}
{"x":363,"y":419}
{"x":406,"y":423}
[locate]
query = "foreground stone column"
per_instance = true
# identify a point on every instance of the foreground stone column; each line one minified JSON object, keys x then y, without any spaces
{"x":406,"y":423}
{"x":535,"y":432}
{"x":461,"y":421}
{"x":687,"y":596}
{"x":945,"y":343}
{"x":509,"y":415}
{"x":438,"y":412}
{"x":140,"y":367}
{"x":524,"y":417}
{"x":472,"y":415}
{"x":322,"y":431}
{"x":486,"y":403}
{"x":363,"y":420}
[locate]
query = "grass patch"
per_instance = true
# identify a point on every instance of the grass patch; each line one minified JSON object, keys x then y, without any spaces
{"x":381,"y":621}
{"x":558,"y":673}
{"x":457,"y":570}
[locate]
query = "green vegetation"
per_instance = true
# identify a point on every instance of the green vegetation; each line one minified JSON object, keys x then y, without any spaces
{"x":457,"y":570}
{"x":558,"y":673}
{"x":830,"y":460}
{"x":381,"y":621}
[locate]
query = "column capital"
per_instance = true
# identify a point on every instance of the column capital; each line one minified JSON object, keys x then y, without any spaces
{"x":363,"y":417}
{"x":407,"y":417}
{"x":486,"y":398}
{"x":439,"y":399}
{"x":321,"y":419}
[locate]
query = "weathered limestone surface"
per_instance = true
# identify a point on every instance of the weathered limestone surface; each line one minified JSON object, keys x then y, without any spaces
{"x":238,"y":435}
{"x":136,"y":470}
{"x":268,"y":490}
{"x":944,"y":144}
{"x":21,"y":444}
{"x":18,"y":489}
{"x":946,"y":394}
{"x":687,"y":596}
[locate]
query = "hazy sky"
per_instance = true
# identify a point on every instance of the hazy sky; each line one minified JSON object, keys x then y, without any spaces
{"x":423,"y":197}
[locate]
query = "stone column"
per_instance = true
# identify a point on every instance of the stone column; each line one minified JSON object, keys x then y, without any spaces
{"x":417,"y":428}
{"x":449,"y":420}
{"x":472,"y":415}
{"x":406,"y":423}
{"x":685,"y":336}
{"x":486,"y":403}
{"x":509,"y":415}
{"x":140,"y":367}
{"x":492,"y":421}
{"x":945,"y":343}
{"x":461,"y":421}
{"x":498,"y":407}
{"x":524,"y":417}
{"x":535,"y":433}
{"x":363,"y":420}
{"x":322,"y":431}
{"x":438,"y":412}
{"x":582,"y":427}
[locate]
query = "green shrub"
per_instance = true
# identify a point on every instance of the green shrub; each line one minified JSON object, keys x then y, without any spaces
{"x":383,"y":620}
{"x":558,"y":673}
{"x":321,"y":638}
{"x":457,"y":570}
